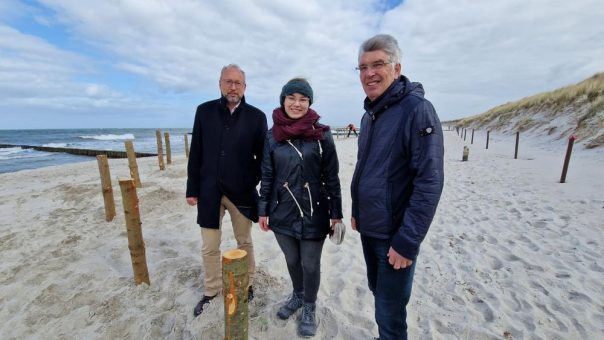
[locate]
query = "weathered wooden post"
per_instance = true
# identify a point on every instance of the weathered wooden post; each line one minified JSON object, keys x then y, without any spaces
{"x":168,"y":149}
{"x":186,"y":145}
{"x":235,"y":282}
{"x":517,"y":140}
{"x":466,"y":152}
{"x":132,"y":163}
{"x":136,"y":244}
{"x":472,"y":139}
{"x":160,"y":152}
{"x":464,"y":134}
{"x":569,"y":150}
{"x":106,"y":187}
{"x":488,"y":132}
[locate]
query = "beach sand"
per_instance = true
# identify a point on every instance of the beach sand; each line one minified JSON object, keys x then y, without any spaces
{"x":511,"y":254}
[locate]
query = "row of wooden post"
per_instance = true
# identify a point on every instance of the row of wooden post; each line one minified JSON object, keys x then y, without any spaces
{"x":160,"y":153}
{"x":569,"y":149}
{"x":234,"y":262}
{"x":130,"y":202}
{"x":131,"y":212}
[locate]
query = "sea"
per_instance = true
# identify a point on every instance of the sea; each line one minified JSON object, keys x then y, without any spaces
{"x":15,"y":158}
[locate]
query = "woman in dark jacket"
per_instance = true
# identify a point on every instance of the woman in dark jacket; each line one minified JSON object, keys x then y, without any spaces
{"x":300,"y":198}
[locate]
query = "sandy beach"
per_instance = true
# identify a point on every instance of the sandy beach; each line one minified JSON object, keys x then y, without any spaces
{"x":511,"y":254}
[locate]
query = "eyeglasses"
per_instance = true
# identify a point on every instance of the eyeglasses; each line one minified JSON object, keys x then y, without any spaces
{"x":378,"y":65}
{"x":230,"y":83}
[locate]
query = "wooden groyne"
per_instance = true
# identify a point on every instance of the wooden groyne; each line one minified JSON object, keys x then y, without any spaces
{"x":81,"y":152}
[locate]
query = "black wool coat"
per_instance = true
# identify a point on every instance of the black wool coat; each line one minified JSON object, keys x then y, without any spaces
{"x":300,"y":189}
{"x":225,"y":157}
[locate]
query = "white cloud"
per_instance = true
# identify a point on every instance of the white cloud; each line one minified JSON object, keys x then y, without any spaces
{"x":470,"y":55}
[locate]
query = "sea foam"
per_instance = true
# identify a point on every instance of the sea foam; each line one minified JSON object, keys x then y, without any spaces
{"x":110,"y":137}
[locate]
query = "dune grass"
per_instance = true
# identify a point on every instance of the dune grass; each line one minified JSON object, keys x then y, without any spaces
{"x":582,"y":104}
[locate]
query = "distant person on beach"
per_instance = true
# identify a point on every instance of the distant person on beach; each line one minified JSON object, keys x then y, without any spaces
{"x":397,"y":181}
{"x":222,"y":174}
{"x":300,"y":198}
{"x":351,"y":128}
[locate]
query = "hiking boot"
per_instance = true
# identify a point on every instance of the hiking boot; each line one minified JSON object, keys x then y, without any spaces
{"x":308,"y":323}
{"x":204,"y":301}
{"x":291,"y":306}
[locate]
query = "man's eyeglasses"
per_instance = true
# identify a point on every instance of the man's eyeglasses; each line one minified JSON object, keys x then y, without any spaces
{"x":230,"y":83}
{"x":378,"y":65}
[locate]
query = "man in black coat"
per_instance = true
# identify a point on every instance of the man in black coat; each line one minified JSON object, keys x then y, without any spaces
{"x":223,"y":171}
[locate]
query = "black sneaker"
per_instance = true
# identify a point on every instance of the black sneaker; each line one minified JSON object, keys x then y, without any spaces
{"x":204,"y":301}
{"x":250,"y":294}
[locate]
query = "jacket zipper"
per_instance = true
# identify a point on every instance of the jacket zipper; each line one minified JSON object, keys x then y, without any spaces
{"x":306,"y":185}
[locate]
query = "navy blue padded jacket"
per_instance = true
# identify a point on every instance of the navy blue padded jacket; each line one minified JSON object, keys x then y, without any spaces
{"x":399,"y":173}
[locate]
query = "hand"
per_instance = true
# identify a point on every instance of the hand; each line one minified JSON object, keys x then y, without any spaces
{"x":263,"y":222}
{"x":353,"y":223}
{"x":333,"y":223}
{"x":397,"y":261}
{"x":192,"y":201}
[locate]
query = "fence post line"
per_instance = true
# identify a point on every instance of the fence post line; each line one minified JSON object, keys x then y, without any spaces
{"x":569,"y":150}
{"x":186,"y":145}
{"x":136,"y":244}
{"x":106,"y":188}
{"x":160,"y":152}
{"x":517,"y":141}
{"x":168,"y":148}
{"x":132,"y":163}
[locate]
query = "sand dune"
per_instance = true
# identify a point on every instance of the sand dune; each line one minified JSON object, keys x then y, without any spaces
{"x":511,"y":254}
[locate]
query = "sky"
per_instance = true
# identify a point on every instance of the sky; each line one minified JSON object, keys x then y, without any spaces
{"x":149,"y":63}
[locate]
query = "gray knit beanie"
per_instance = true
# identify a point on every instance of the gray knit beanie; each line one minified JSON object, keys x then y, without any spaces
{"x":296,"y":85}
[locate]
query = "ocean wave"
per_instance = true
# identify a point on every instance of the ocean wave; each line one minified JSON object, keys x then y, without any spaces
{"x":110,"y":137}
{"x":14,"y":153}
{"x":55,"y":145}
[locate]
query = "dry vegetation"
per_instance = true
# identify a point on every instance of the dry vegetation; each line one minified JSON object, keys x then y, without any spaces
{"x":577,"y":109}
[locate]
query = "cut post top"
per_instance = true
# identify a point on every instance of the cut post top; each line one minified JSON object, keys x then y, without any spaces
{"x":234,"y":254}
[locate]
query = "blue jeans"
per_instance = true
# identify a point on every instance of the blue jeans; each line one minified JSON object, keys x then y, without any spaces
{"x":391,"y":288}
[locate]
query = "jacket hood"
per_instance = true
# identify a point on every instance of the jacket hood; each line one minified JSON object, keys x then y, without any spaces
{"x":399,"y":89}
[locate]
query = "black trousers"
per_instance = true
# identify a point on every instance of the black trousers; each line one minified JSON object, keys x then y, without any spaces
{"x":303,"y":258}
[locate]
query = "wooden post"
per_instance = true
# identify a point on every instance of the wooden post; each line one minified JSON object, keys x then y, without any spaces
{"x":186,"y":145}
{"x":168,"y":149}
{"x":488,"y":132}
{"x":516,"y":149}
{"x":132,"y":163}
{"x":569,"y":150}
{"x":106,"y":187}
{"x":466,"y":152}
{"x":235,"y":282}
{"x":472,"y":140}
{"x":160,"y":152}
{"x":136,"y":244}
{"x":464,"y":134}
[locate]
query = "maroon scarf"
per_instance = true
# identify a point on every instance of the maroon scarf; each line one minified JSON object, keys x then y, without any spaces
{"x":306,"y":127}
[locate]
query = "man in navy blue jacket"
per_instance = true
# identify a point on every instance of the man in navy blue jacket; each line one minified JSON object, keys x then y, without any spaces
{"x":397,"y":181}
{"x":223,"y":171}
